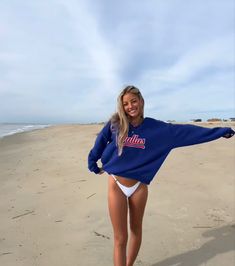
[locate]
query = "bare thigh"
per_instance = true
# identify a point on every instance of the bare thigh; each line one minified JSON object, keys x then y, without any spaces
{"x":118,"y":208}
{"x":137,"y":203}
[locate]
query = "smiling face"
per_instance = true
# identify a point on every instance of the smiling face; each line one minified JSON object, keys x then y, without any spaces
{"x":132,"y":105}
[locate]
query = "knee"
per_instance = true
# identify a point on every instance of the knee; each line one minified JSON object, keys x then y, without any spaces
{"x":136,"y":229}
{"x":120,"y":240}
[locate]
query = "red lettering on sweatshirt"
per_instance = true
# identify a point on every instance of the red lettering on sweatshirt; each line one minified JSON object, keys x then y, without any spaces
{"x":135,"y":142}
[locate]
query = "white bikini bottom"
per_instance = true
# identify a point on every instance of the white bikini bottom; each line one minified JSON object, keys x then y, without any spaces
{"x":128,"y":191}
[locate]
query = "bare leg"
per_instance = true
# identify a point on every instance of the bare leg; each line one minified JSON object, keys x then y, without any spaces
{"x":137,"y":203}
{"x":117,"y":203}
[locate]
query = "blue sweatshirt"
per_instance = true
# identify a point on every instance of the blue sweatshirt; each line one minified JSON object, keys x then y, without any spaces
{"x":146,"y":147}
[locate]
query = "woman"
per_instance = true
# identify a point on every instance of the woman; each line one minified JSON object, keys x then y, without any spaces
{"x":132,"y":149}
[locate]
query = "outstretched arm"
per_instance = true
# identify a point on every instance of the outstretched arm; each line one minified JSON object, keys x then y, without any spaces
{"x":185,"y":135}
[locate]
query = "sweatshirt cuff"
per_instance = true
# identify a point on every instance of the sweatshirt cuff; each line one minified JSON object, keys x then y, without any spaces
{"x":231,"y":131}
{"x":96,"y":170}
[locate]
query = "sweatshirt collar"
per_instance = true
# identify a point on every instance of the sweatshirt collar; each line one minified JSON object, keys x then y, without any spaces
{"x":137,"y":127}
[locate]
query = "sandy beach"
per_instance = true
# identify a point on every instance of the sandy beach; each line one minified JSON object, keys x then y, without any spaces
{"x":54,"y":211}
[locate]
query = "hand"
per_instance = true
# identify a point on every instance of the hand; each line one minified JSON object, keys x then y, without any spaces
{"x":101,"y":171}
{"x":228,"y":135}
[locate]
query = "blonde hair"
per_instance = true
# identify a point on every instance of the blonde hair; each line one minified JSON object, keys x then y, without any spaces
{"x":119,"y":120}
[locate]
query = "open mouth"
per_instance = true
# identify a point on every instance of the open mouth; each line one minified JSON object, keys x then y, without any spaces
{"x":132,"y":112}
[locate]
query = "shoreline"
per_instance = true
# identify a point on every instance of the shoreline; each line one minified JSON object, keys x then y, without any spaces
{"x":8,"y":129}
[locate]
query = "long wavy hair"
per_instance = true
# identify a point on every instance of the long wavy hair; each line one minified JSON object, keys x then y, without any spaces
{"x":119,"y":120}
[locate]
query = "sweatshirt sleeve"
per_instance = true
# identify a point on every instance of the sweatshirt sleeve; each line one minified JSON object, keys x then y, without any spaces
{"x":185,"y":135}
{"x":100,"y":144}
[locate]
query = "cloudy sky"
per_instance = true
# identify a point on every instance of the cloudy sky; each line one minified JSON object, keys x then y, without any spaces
{"x":65,"y":61}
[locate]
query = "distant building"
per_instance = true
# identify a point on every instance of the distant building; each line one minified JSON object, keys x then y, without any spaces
{"x":232,"y":119}
{"x":214,"y":120}
{"x":197,"y":120}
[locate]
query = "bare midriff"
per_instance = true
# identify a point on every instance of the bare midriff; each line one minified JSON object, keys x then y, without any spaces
{"x":126,"y":181}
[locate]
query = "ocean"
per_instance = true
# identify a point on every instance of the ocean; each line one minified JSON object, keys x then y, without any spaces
{"x":10,"y":129}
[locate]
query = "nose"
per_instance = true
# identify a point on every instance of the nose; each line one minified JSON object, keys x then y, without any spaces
{"x":130,"y":105}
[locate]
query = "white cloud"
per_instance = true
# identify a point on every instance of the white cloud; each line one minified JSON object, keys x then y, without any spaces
{"x":218,"y":53}
{"x":102,"y":59}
